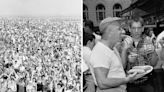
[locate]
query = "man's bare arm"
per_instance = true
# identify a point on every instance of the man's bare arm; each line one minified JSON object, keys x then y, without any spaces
{"x":105,"y":83}
{"x":155,"y":59}
{"x":124,"y":57}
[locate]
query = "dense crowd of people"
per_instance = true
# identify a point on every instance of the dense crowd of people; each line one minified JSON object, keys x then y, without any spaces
{"x":38,"y":54}
{"x":113,"y":60}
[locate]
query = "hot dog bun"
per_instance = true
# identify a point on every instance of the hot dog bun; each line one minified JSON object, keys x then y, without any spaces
{"x":139,"y":71}
{"x":145,"y":68}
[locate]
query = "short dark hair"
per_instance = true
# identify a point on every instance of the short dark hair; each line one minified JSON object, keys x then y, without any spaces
{"x":89,"y":23}
{"x":87,"y":37}
{"x":137,"y":19}
{"x":146,"y":31}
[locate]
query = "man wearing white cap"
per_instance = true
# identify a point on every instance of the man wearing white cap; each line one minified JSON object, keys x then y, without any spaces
{"x":108,"y":68}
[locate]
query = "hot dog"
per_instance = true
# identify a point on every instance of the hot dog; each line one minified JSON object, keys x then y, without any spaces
{"x":145,"y":68}
{"x":139,"y":71}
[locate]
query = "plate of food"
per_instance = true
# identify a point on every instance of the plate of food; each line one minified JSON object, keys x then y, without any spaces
{"x":141,"y":70}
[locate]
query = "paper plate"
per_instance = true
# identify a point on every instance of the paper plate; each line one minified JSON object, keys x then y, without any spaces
{"x":147,"y":69}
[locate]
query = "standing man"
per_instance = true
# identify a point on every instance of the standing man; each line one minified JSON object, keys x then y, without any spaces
{"x":159,"y":46}
{"x":88,"y":44}
{"x":139,"y":51}
{"x":159,"y":72}
{"x":89,"y":28}
{"x":106,"y":62}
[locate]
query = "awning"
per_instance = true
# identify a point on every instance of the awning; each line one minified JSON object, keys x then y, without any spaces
{"x":134,"y":5}
{"x":149,"y":6}
{"x":161,"y":12}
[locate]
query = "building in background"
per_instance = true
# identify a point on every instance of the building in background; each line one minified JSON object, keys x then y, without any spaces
{"x":152,"y":11}
{"x":97,"y":10}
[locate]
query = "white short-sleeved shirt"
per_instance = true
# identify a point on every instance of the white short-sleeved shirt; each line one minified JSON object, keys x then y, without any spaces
{"x":102,"y":56}
{"x":159,"y":47}
{"x":97,"y":37}
{"x":86,"y":57}
{"x":86,"y":53}
{"x":84,"y":66}
{"x":160,"y":36}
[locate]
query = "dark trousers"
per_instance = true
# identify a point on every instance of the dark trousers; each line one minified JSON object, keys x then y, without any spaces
{"x":141,"y":88}
{"x":159,"y":80}
{"x":89,"y":84}
{"x":146,"y":86}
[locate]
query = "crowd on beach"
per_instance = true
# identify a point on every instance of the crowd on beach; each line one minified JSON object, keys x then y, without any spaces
{"x":38,"y":54}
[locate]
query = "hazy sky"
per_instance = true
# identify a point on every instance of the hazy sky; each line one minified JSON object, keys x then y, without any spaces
{"x":40,"y":7}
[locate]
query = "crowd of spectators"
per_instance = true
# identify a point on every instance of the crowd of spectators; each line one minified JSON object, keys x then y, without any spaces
{"x":40,"y":54}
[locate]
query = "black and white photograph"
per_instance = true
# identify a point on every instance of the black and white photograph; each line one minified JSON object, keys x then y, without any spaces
{"x":123,"y":46}
{"x":40,"y":45}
